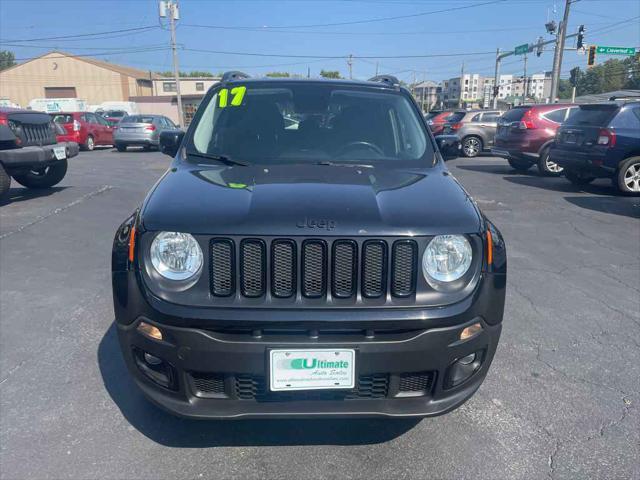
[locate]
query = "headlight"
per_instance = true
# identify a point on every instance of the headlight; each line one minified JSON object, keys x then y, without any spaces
{"x":446,"y":259}
{"x":176,"y":256}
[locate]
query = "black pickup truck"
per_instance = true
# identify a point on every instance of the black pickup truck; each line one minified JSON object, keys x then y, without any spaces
{"x":29,"y":151}
{"x":331,"y":266}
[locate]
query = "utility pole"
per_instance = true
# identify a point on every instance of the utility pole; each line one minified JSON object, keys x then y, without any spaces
{"x":461,"y":86}
{"x":557,"y":56}
{"x":496,"y":84}
{"x":376,"y":69}
{"x":422,"y":94}
{"x":350,"y":63}
{"x":170,"y":8}
{"x":525,"y":80}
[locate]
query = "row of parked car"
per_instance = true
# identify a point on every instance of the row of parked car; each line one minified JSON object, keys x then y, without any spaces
{"x":90,"y":130}
{"x":580,"y":142}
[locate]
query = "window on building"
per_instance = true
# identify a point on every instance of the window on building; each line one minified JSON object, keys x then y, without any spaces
{"x":169,"y":87}
{"x":199,"y":86}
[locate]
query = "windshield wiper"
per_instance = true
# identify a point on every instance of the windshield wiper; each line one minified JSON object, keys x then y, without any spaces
{"x":342,"y":164}
{"x":220,"y":158}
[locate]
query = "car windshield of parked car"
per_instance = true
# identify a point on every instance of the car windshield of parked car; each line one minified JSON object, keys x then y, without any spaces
{"x":137,"y":119}
{"x":114,"y":113}
{"x":62,"y":118}
{"x":267,"y":124}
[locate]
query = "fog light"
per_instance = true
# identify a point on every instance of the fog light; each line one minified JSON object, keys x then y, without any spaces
{"x":471,"y":331}
{"x":150,"y":331}
{"x":464,"y":360}
{"x":151,"y":360}
{"x":463,"y":369}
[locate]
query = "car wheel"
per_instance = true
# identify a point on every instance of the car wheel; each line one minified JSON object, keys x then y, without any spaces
{"x":120,"y":147}
{"x":472,"y":146}
{"x":43,"y":177}
{"x":90,"y":144}
{"x":628,"y":177}
{"x":5,"y":184}
{"x":147,"y":148}
{"x":520,"y":165}
{"x":578,"y":178}
{"x":546,"y":167}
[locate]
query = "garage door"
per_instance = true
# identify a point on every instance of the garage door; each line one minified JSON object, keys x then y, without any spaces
{"x":60,"y":92}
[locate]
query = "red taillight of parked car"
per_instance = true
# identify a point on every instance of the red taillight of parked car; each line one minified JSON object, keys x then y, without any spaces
{"x":150,"y":127}
{"x":4,"y":120}
{"x":456,"y":126}
{"x":607,"y":137}
{"x":76,"y":126}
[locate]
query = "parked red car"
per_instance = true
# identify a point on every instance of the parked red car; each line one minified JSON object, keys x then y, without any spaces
{"x":437,"y":123}
{"x":85,"y":128}
{"x":525,"y":133}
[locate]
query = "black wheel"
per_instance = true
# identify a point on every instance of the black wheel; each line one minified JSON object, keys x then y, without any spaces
{"x":89,"y":145}
{"x":578,"y":178}
{"x":43,"y":177}
{"x":5,"y":184}
{"x":472,"y":146}
{"x":121,"y":147}
{"x":546,"y":167}
{"x":628,"y":178}
{"x":147,"y":148}
{"x":520,"y":165}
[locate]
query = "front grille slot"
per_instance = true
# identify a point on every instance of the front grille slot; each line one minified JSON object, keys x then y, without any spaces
{"x":344,"y":268}
{"x":419,"y":383}
{"x":252,"y":268}
{"x":222,"y":268}
{"x":374,"y":268}
{"x":404,"y":266}
{"x":283,"y":268}
{"x":314,"y":268}
{"x":287,"y":268}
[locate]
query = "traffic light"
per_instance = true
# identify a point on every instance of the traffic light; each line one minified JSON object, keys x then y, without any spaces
{"x":580,"y":44}
{"x":591,"y":56}
{"x":574,"y":76}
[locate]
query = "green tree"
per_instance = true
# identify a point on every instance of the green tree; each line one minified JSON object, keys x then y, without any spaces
{"x":7,"y":59}
{"x":278,"y":74}
{"x":330,"y":74}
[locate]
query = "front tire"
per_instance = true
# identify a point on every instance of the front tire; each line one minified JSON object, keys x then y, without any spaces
{"x":546,"y":167}
{"x":578,"y":178}
{"x":45,"y":177}
{"x":519,"y":165}
{"x":472,"y":146}
{"x":5,"y":184}
{"x":628,"y":178}
{"x":121,"y":147}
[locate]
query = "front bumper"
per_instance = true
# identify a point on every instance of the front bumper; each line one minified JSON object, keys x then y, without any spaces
{"x":34,"y":157}
{"x":219,"y":358}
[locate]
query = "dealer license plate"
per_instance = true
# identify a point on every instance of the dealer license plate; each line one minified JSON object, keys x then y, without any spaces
{"x":311,"y":369}
{"x":60,"y":153}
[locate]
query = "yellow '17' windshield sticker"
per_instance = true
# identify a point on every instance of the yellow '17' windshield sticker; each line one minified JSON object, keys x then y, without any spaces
{"x":237,"y":94}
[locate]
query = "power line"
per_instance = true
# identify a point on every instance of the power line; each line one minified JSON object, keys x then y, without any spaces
{"x":359,"y":22}
{"x":328,"y":57}
{"x":82,"y":35}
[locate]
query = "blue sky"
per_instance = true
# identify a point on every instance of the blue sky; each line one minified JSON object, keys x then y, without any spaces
{"x":470,"y":29}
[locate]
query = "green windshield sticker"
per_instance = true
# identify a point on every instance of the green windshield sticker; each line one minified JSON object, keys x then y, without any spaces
{"x":237,"y":94}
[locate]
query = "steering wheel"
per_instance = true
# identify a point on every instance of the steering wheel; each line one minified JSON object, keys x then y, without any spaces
{"x":368,"y":145}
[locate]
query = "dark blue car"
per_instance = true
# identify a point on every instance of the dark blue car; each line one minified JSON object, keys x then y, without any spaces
{"x":601,"y":140}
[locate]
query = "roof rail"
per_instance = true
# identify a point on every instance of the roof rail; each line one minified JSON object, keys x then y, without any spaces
{"x":233,"y":75}
{"x":388,"y":79}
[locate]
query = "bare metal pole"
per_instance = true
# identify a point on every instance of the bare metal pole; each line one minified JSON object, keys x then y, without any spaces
{"x":350,"y":63}
{"x":496,"y":84}
{"x":524,"y":92}
{"x":461,"y":86}
{"x":173,"y":13}
{"x":557,"y":56}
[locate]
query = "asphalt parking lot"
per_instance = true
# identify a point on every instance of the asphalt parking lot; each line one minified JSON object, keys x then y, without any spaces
{"x":562,"y":399}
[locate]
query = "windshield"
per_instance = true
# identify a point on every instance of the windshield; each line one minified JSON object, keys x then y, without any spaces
{"x":311,"y":123}
{"x":137,"y":119}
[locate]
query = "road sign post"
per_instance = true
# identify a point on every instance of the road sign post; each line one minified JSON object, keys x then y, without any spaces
{"x":615,"y":50}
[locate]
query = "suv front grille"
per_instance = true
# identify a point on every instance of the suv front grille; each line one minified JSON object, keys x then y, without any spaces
{"x":313,"y":268}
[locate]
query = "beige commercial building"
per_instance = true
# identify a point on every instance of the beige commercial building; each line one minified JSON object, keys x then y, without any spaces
{"x":166,"y":86}
{"x":61,"y":75}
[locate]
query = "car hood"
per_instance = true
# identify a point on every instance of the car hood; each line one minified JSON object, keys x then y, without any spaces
{"x":309,"y":200}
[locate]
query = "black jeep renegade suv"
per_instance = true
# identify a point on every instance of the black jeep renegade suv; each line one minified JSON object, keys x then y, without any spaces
{"x":308,"y":253}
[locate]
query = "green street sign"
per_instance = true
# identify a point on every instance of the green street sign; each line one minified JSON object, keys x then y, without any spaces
{"x":616,"y":50}
{"x":521,"y":49}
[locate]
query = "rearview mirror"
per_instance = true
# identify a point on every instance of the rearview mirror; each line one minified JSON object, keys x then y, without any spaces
{"x":170,"y":141}
{"x":449,"y":146}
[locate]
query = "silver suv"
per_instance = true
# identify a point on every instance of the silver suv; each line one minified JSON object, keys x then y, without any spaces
{"x":476,"y":129}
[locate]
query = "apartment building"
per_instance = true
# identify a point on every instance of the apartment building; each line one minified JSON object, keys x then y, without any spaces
{"x":470,"y":88}
{"x":538,"y":86}
{"x":427,"y":94}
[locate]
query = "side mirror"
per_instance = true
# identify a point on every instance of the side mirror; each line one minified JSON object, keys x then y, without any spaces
{"x":449,"y":146}
{"x":170,"y":141}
